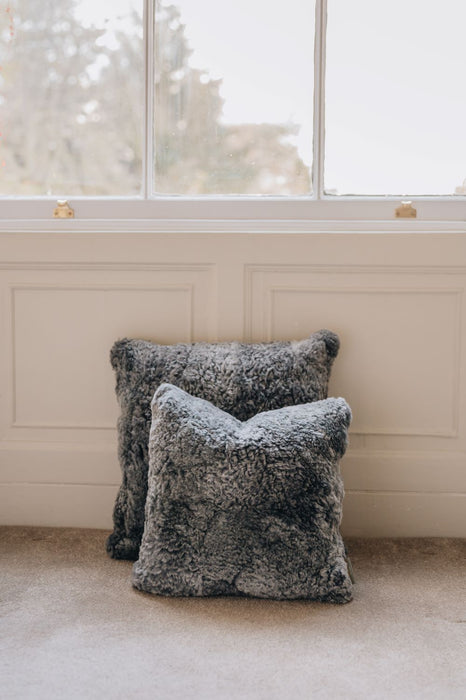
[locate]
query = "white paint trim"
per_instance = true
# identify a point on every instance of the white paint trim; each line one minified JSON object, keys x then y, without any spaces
{"x":396,"y":484}
{"x":366,"y":514}
{"x":148,"y":151}
{"x":228,"y":226}
{"x":108,"y":213}
{"x":58,"y":505}
{"x":319,"y":99}
{"x":455,"y":292}
{"x":346,"y":210}
{"x":390,"y":514}
{"x":403,"y":471}
{"x":364,"y":470}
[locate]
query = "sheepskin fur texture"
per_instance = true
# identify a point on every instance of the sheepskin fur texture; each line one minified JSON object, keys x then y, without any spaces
{"x":244,"y":508}
{"x":242,"y":379}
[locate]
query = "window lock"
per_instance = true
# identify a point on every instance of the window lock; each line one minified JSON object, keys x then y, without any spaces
{"x":406,"y":211}
{"x":63,"y":210}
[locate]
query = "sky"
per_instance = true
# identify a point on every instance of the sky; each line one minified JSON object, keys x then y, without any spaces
{"x":264,"y":51}
{"x":396,"y":96}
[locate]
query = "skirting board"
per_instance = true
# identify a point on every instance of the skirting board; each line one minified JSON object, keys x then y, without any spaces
{"x":366,"y":513}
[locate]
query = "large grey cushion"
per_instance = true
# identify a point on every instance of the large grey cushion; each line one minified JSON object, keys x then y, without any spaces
{"x":244,"y":508}
{"x":240,"y":378}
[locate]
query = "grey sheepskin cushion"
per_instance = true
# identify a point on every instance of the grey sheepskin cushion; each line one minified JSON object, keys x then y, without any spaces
{"x":240,"y":378}
{"x":244,"y":508}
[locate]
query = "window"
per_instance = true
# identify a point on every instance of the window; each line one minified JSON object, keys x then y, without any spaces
{"x":395,"y":70}
{"x":174,"y":108}
{"x":72,"y":98}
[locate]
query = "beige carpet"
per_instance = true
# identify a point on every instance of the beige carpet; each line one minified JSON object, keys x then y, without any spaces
{"x":72,"y":627}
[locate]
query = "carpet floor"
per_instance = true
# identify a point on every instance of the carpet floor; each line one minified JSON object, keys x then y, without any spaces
{"x":73,"y":627}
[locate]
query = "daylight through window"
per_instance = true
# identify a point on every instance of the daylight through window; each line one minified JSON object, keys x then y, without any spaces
{"x":149,"y":99}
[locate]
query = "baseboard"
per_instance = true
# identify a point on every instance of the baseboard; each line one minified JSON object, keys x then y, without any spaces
{"x":397,"y":514}
{"x":57,"y":505}
{"x":366,"y":514}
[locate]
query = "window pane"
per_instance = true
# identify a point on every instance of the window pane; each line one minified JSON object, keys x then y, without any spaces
{"x":395,"y":97}
{"x":71,"y":97}
{"x":234,"y":97}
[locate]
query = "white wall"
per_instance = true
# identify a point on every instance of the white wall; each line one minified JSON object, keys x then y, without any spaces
{"x":394,"y":297}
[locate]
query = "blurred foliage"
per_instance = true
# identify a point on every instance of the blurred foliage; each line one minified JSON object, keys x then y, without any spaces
{"x":72,"y":113}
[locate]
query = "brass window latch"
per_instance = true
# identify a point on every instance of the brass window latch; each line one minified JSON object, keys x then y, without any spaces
{"x":406,"y":211}
{"x":63,"y":210}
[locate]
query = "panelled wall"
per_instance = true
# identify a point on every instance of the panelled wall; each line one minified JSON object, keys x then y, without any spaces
{"x":396,"y":298}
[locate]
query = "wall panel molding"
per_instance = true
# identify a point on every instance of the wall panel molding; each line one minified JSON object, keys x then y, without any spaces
{"x":56,"y":463}
{"x":255,"y":276}
{"x":410,"y":326}
{"x":365,"y":514}
{"x":382,"y":514}
{"x":219,"y":225}
{"x":58,"y":505}
{"x":23,"y":343}
{"x":450,"y":428}
{"x":362,"y":469}
{"x":105,"y":266}
{"x":404,"y":471}
{"x":392,"y":290}
{"x":60,"y":322}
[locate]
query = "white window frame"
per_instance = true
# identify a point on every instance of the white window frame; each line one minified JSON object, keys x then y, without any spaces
{"x":318,"y":210}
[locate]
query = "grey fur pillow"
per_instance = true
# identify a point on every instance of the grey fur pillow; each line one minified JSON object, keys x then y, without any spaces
{"x":240,"y":378}
{"x":244,"y":508}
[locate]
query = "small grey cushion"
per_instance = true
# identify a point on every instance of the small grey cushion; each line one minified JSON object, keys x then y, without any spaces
{"x":244,"y":508}
{"x":240,"y":378}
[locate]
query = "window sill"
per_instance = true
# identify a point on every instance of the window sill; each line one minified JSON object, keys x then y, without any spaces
{"x":228,"y":226}
{"x":299,"y":209}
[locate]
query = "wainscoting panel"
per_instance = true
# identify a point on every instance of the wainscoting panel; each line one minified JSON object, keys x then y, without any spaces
{"x":415,"y":514}
{"x":400,"y":364}
{"x":396,"y":299}
{"x":62,"y":380}
{"x":61,"y":328}
{"x":58,"y":505}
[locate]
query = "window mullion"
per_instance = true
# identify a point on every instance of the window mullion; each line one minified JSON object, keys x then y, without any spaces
{"x":148,"y":135}
{"x":319,"y":100}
